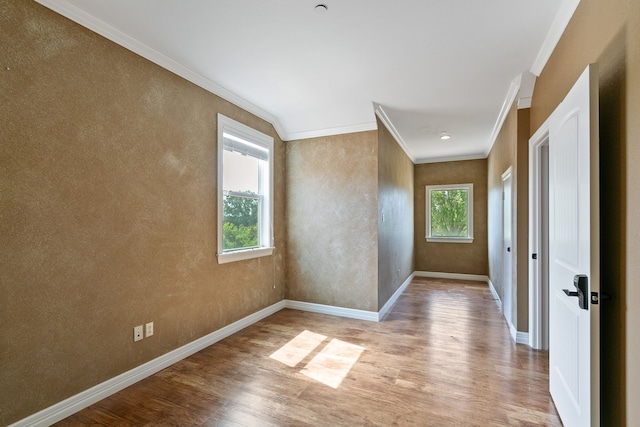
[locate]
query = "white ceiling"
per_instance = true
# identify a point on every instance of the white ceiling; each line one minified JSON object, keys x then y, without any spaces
{"x":427,"y":65}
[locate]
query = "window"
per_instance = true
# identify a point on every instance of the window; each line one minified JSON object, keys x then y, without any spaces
{"x":450,"y":213}
{"x":245,"y":192}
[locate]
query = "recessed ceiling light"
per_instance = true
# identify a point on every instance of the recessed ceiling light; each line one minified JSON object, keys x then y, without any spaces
{"x":444,"y":135}
{"x":321,"y":8}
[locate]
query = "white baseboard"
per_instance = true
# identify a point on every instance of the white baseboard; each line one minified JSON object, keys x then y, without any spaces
{"x":452,"y":276}
{"x":459,"y":276}
{"x":73,"y":404}
{"x":387,"y":306}
{"x":522,"y":338}
{"x":496,"y":297}
{"x":351,"y":313}
{"x":512,"y":331}
{"x":518,"y":337}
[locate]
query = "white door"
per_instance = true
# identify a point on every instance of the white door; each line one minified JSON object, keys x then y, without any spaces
{"x":507,"y":248}
{"x":574,"y":334}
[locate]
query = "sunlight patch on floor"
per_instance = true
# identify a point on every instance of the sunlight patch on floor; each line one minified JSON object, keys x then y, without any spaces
{"x":330,"y":366}
{"x":298,"y":348}
{"x":333,"y":363}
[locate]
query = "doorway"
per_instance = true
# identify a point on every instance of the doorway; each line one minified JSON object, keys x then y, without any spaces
{"x":507,"y":248}
{"x":539,"y":242}
{"x":574,"y":251}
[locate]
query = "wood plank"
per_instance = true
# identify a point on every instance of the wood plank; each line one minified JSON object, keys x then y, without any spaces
{"x":442,"y":356}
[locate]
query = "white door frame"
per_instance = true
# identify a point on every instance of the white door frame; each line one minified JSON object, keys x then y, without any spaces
{"x":538,"y":305}
{"x":507,"y":254}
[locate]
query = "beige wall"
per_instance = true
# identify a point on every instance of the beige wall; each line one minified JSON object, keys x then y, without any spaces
{"x":395,"y":202}
{"x":607,"y":32}
{"x":510,"y":150}
{"x":107,"y":177}
{"x":332,"y":220}
{"x":108,"y":212}
{"x":463,"y":258}
{"x":501,"y":157}
{"x":522,"y":222}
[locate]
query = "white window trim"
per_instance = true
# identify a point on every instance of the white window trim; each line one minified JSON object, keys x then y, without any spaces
{"x":230,"y":126}
{"x":469,"y":188}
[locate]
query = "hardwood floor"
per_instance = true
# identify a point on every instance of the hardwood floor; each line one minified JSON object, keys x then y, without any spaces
{"x":443,"y":356}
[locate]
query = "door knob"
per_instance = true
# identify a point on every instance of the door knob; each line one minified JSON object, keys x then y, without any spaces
{"x":581,"y":283}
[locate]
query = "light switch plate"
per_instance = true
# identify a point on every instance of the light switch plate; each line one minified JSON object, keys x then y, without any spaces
{"x":149,"y":329}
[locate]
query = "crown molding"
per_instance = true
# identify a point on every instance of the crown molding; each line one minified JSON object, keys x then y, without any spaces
{"x":476,"y":156}
{"x":524,"y":103}
{"x":384,"y":118}
{"x":94,"y":24}
{"x":525,"y":93}
{"x":512,"y":93}
{"x":521,"y":88}
{"x":98,"y":26}
{"x":559,"y":24}
{"x":339,"y":130}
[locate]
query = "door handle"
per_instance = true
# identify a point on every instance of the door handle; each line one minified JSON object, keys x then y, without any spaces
{"x":509,"y":249}
{"x":581,"y":283}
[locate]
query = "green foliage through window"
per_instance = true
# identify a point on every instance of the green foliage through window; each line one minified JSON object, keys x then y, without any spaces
{"x":240,"y":226}
{"x":449,"y":213}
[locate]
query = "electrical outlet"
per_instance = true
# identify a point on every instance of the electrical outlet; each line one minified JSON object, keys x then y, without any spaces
{"x":149,"y":329}
{"x":137,"y":333}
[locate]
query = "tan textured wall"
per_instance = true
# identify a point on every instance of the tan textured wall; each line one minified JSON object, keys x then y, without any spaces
{"x":511,"y":150}
{"x":607,"y":32}
{"x":332,"y":218}
{"x":522,"y":224}
{"x":462,"y":258}
{"x":501,"y":157}
{"x":108,"y":212}
{"x":395,"y":202}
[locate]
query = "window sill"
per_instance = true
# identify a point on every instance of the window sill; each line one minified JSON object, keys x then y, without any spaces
{"x":243,"y":255}
{"x":450,"y":239}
